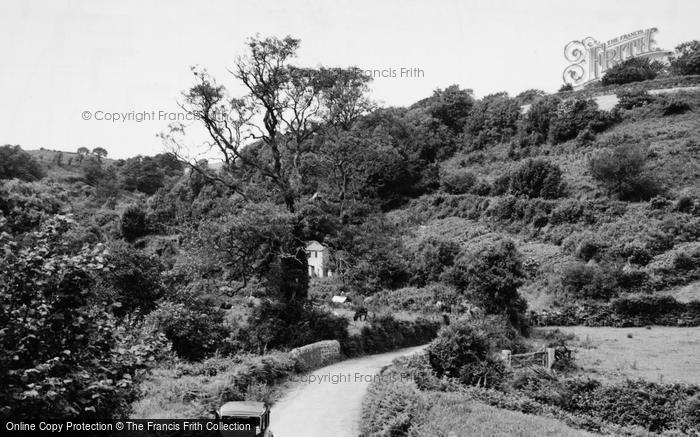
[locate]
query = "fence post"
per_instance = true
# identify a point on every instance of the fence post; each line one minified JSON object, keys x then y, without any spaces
{"x":551,"y":356}
{"x":506,"y":357}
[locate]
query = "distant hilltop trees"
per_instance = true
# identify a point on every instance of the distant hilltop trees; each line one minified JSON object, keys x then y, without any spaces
{"x":99,"y":152}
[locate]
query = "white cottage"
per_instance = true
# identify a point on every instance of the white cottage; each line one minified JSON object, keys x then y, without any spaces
{"x":317,"y":254}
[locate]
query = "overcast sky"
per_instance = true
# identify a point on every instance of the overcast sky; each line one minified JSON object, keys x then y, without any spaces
{"x":61,"y":58}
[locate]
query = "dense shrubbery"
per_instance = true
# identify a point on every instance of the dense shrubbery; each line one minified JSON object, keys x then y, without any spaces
{"x":385,"y":333}
{"x":628,"y":99}
{"x":392,"y":407}
{"x":623,"y":408}
{"x":64,"y":355}
{"x":457,"y":181}
{"x":687,"y":59}
{"x":370,"y":255}
{"x":492,"y":120}
{"x":554,"y":120}
{"x":418,"y":299}
{"x":133,"y":223}
{"x":656,"y":407}
{"x":462,"y":351}
{"x":588,"y":281}
{"x":195,"y":329}
{"x":621,"y":170}
{"x":632,"y":70}
{"x":625,"y":312}
{"x":672,"y":105}
{"x":134,"y":279}
{"x":25,"y":205}
{"x":16,"y":163}
{"x":275,"y":325}
{"x":537,"y":178}
{"x":254,"y":370}
{"x":430,"y":259}
{"x":489,"y":277}
{"x":538,"y":119}
{"x":144,"y":174}
{"x":575,"y":115}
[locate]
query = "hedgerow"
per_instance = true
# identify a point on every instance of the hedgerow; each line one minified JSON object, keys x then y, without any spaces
{"x":623,"y":312}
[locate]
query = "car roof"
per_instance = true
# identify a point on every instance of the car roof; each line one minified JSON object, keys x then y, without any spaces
{"x":242,"y":408}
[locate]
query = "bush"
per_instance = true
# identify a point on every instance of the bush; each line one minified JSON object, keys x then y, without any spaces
{"x":589,"y":247}
{"x":628,"y":99}
{"x":501,"y":185}
{"x":685,"y":204}
{"x":585,"y":281}
{"x":691,"y":409}
{"x":134,"y":278}
{"x":133,"y":223}
{"x":687,"y":59}
{"x":622,"y":172}
{"x":462,"y":351}
{"x":659,"y":202}
{"x":93,"y":172}
{"x":646,"y":307}
{"x":493,"y":119}
{"x":144,"y":174}
{"x":196,"y":329}
{"x":537,"y":178}
{"x":274,"y":325}
{"x":631,"y":403}
{"x":575,"y":115}
{"x":385,"y":334}
{"x":417,"y":299}
{"x":637,"y":253}
{"x":673,"y":105}
{"x":565,"y":88}
{"x":25,"y":205}
{"x":432,"y":257}
{"x":490,"y":277}
{"x":64,"y":356}
{"x":536,"y":122}
{"x":392,"y":407}
{"x":632,"y":70}
{"x":656,"y":407}
{"x":16,"y":163}
{"x":457,"y":182}
{"x":626,"y":312}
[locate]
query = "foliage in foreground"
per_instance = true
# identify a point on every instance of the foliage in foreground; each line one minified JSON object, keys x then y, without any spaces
{"x":631,"y":407}
{"x":64,"y":353}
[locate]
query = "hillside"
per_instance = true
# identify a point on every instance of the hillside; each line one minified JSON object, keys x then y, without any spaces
{"x":612,"y":228}
{"x":465,"y":226}
{"x":62,"y":165}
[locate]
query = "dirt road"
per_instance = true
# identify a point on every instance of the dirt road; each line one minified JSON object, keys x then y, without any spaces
{"x":315,"y":406}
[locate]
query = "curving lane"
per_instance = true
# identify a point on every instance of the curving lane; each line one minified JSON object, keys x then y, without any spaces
{"x":328,"y":401}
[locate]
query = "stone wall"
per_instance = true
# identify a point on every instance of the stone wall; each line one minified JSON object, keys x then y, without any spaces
{"x":315,"y":355}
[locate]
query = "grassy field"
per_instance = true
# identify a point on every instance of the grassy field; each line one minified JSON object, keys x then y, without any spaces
{"x":450,"y":415}
{"x":659,"y":354}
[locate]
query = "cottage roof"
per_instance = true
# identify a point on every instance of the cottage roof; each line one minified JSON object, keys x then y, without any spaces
{"x":315,"y":245}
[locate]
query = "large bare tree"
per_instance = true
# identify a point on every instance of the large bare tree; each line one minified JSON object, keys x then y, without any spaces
{"x":263,"y":136}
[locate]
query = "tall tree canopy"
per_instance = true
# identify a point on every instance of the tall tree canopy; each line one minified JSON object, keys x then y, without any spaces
{"x":266,"y":136}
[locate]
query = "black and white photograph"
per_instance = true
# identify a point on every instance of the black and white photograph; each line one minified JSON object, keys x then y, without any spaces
{"x":366,"y":218}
